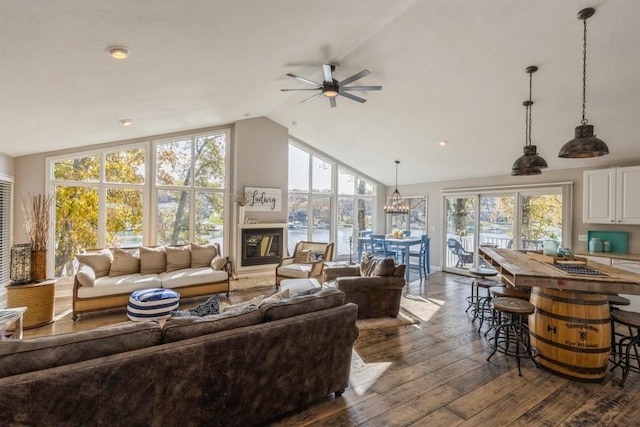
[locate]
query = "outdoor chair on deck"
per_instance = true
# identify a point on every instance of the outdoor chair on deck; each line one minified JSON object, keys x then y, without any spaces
{"x":464,"y":256}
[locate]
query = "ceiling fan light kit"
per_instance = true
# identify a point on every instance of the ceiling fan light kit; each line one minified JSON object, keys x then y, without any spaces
{"x":332,"y":88}
{"x":396,"y":204}
{"x":585,"y":143}
{"x":530,"y":163}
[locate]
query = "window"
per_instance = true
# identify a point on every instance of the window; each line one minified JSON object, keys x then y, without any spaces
{"x":190,"y":182}
{"x":327,"y":202}
{"x":415,"y":222}
{"x":105,"y":198}
{"x":6,"y":196}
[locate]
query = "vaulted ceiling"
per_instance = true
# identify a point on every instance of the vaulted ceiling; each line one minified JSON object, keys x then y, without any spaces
{"x":451,"y":70}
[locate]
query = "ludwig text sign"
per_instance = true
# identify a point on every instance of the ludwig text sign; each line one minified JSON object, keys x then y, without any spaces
{"x":263,"y":199}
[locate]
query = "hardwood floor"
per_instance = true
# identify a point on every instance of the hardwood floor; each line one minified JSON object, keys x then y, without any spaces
{"x":435,"y":374}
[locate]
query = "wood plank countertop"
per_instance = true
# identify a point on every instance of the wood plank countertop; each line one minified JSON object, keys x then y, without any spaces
{"x":522,"y":271}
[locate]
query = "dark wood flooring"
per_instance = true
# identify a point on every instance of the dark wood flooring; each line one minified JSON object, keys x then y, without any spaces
{"x":435,"y":373}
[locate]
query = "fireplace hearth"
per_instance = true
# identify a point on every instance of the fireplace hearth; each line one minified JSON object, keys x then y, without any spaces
{"x":261,"y":246}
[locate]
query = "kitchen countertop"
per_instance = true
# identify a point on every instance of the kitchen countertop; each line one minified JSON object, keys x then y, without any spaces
{"x":523,"y":271}
{"x":616,"y":255}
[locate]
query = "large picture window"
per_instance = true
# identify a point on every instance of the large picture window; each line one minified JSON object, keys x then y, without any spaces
{"x":327,"y":202}
{"x":152,"y":193}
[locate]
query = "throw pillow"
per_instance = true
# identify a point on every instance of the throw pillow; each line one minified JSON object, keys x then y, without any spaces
{"x":178,"y":257}
{"x":278,"y":296}
{"x":202,"y":255}
{"x":302,"y":257}
{"x":241,"y":306}
{"x":152,"y":260}
{"x":317,"y":256}
{"x":124,"y":263}
{"x":100,"y":261}
{"x":210,"y":306}
{"x":86,"y":276}
{"x":384,"y":267}
{"x":218,"y":262}
{"x":310,"y":291}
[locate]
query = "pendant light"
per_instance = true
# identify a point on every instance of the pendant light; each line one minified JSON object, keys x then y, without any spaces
{"x":396,"y":205}
{"x":530,"y":163}
{"x":585,"y":143}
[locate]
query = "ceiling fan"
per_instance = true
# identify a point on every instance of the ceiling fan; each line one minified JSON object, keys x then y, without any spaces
{"x":331,"y":87}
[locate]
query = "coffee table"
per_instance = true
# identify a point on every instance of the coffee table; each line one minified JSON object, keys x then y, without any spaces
{"x":12,"y":319}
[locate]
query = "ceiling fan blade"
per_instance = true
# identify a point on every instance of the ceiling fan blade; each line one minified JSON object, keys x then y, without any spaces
{"x":326,"y":68}
{"x":362,"y":88}
{"x":311,"y":88}
{"x":302,"y":79}
{"x":310,"y":98}
{"x":332,"y":102}
{"x":355,"y":77}
{"x":352,"y":97}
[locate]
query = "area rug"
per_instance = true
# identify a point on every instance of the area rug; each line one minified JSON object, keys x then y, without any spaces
{"x":403,"y":319}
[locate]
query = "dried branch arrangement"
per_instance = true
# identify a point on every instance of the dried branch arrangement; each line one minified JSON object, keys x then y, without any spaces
{"x":37,"y":216}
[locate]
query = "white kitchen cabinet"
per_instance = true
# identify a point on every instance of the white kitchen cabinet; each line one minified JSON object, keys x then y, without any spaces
{"x":608,"y":196}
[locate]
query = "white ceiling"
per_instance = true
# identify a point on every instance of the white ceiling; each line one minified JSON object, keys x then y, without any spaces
{"x":450,"y":69}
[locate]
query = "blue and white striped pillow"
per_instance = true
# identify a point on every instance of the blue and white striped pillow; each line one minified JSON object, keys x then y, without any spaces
{"x":155,"y":303}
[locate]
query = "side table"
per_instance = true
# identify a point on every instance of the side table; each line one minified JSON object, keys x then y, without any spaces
{"x":9,"y":317}
{"x":37,"y":297}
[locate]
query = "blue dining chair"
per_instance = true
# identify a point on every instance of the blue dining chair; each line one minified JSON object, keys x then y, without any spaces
{"x":423,"y":256}
{"x":380,"y":246}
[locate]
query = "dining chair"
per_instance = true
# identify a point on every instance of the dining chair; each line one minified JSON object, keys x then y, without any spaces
{"x":367,"y":247}
{"x":380,"y":246}
{"x":423,"y":257}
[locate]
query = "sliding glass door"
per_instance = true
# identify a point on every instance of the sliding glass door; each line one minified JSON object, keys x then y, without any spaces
{"x":504,"y":218}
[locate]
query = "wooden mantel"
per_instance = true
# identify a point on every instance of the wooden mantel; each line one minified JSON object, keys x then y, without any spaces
{"x":525,"y":272}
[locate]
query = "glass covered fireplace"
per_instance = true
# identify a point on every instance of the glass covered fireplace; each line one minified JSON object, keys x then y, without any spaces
{"x":260,"y":246}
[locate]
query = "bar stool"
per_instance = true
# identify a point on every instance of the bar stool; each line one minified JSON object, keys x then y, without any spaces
{"x":615,"y":300}
{"x":627,"y":361}
{"x":483,"y":310}
{"x":512,"y":311}
{"x":473,"y":300}
{"x":501,"y":292}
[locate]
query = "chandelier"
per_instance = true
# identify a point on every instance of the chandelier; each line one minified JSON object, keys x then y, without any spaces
{"x":396,"y":204}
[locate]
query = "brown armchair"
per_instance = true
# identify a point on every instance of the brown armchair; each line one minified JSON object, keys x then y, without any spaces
{"x":307,"y":261}
{"x":375,"y":286}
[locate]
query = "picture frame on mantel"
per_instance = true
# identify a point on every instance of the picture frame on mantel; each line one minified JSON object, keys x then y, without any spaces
{"x":263,"y":199}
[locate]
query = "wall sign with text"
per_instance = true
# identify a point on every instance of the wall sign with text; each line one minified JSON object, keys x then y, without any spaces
{"x":263,"y":199}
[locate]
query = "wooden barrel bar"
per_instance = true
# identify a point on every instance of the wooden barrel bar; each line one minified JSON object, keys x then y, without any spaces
{"x":572,"y":333}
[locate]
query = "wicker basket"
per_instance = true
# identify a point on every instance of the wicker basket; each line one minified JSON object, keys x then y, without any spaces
{"x":37,"y":297}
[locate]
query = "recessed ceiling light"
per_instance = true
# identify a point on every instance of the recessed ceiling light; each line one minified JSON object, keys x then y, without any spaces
{"x":118,"y":52}
{"x":442,"y":143}
{"x":126,"y":122}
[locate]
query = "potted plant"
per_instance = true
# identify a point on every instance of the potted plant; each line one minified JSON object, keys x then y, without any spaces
{"x":36,"y":209}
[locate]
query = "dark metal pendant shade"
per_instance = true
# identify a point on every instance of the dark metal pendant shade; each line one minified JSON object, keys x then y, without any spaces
{"x":530,"y":163}
{"x":585,"y":144}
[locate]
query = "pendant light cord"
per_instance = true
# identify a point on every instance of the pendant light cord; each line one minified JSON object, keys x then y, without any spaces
{"x":529,"y":107}
{"x":584,"y":73}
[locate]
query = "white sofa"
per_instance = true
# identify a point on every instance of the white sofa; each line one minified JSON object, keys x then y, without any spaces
{"x":106,"y":277}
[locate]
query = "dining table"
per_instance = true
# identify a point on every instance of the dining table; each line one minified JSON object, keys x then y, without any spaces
{"x":404,"y":242}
